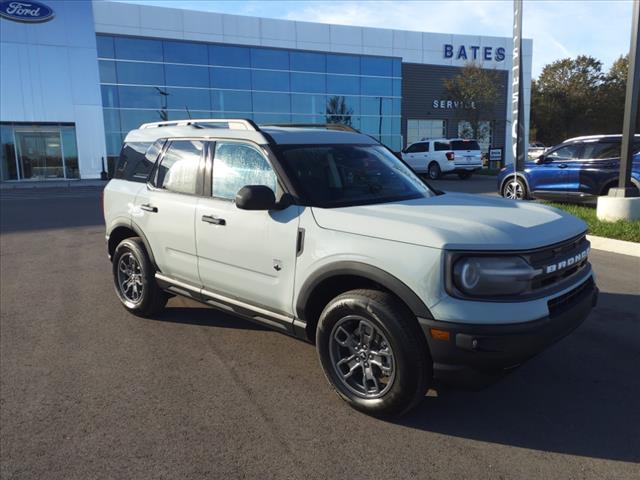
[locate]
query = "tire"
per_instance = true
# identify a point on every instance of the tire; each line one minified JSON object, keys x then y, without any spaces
{"x":130,"y":257}
{"x":464,"y":175}
{"x":433,"y":171}
{"x":521,"y":190}
{"x":394,"y":333}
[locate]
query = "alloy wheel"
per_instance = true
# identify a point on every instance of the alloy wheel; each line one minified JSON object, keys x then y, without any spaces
{"x":362,"y":357}
{"x":130,"y":278}
{"x":514,"y":190}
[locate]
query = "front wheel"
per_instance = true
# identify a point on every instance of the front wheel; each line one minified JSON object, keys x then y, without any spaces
{"x":434,"y":171}
{"x":373,"y":352}
{"x":514,"y":189}
{"x":134,"y":279}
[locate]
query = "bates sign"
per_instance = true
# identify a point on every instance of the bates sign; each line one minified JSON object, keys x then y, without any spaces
{"x":25,"y":11}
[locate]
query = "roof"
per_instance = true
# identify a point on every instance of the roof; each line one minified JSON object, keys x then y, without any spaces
{"x":241,"y":129}
{"x":596,"y":137}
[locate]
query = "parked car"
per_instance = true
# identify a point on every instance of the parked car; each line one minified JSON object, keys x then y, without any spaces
{"x":437,"y":157}
{"x":535,"y":150}
{"x":327,"y":236}
{"x":579,"y":170}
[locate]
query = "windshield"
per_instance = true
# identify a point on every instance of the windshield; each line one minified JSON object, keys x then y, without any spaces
{"x":464,"y":145}
{"x":344,"y":175}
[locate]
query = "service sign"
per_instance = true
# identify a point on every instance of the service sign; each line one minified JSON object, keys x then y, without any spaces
{"x":28,"y":12}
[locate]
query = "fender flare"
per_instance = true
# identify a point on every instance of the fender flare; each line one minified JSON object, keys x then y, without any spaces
{"x":369,"y":272}
{"x":520,"y":176}
{"x":133,"y":226}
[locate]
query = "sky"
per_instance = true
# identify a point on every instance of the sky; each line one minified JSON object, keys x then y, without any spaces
{"x":559,"y":28}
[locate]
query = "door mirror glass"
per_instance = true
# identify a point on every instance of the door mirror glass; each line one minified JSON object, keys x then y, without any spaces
{"x":256,"y":197}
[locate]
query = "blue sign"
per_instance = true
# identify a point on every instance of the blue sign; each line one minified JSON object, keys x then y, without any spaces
{"x":474,"y":52}
{"x":25,"y":11}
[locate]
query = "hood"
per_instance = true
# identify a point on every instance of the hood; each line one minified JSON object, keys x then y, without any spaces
{"x":456,"y":221}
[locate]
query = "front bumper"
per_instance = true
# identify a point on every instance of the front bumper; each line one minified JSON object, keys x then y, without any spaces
{"x":473,"y":355}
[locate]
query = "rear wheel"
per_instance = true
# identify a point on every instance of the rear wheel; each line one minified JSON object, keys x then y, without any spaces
{"x":134,"y":279}
{"x":514,"y":189}
{"x":434,"y":171}
{"x":373,"y":352}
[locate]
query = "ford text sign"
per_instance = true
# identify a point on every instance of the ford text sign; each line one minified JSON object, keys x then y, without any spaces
{"x":25,"y":11}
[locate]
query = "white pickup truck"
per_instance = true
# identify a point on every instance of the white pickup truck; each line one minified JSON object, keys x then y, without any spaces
{"x":325,"y":235}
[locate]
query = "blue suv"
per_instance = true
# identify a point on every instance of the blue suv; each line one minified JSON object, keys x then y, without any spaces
{"x":578,"y":170}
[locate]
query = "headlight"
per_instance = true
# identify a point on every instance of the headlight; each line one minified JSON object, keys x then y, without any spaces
{"x":492,"y":276}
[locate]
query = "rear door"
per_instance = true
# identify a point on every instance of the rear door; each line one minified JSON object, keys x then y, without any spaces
{"x":598,"y":164}
{"x":165,"y":209}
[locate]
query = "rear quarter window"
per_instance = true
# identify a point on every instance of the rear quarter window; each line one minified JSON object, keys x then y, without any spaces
{"x":464,"y":145}
{"x":136,"y":161}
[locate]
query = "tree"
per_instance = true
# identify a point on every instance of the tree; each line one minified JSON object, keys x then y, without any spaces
{"x":477,"y":91}
{"x":612,"y":97}
{"x":337,"y":111}
{"x":565,"y":99}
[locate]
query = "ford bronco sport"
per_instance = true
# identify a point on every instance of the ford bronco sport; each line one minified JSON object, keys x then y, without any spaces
{"x":324,"y":234}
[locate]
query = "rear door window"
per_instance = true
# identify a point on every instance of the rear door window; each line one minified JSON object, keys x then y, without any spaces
{"x":601,"y":151}
{"x":457,"y":145}
{"x":440,"y":146}
{"x":179,"y":167}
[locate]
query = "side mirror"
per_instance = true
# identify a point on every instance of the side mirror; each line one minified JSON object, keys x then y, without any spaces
{"x":540,"y":159}
{"x":255,"y":197}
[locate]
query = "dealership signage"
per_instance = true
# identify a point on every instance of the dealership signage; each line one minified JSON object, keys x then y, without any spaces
{"x":29,"y":12}
{"x":451,"y":104}
{"x":473,"y":52}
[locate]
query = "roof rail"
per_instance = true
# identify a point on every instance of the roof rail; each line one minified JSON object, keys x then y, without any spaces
{"x":329,"y":126}
{"x":230,"y":123}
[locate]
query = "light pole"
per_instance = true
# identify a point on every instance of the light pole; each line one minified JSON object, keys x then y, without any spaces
{"x":623,"y":202}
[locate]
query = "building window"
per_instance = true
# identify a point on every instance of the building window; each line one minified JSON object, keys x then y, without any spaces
{"x":145,"y":80}
{"x":38,"y":151}
{"x":419,"y":129}
{"x":483,"y":135}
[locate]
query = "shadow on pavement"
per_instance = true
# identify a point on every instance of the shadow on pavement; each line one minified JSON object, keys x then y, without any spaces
{"x":194,"y":314}
{"x":580,"y":397}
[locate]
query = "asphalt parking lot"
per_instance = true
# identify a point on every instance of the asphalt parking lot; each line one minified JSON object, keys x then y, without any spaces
{"x":89,"y":391}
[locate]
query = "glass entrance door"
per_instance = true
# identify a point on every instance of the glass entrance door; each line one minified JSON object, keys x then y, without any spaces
{"x":39,"y":155}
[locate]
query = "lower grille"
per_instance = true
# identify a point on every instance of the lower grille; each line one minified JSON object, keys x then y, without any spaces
{"x":560,"y":304}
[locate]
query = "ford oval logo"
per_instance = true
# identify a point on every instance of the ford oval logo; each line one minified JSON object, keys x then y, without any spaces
{"x":25,"y":11}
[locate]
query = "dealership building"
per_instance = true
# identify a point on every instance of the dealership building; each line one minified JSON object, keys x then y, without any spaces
{"x":76,"y":76}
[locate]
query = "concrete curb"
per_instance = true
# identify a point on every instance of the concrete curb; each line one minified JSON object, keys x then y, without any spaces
{"x":615,"y":246}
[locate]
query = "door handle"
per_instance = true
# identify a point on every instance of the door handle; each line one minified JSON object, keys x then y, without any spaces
{"x":148,"y":208}
{"x":214,"y":220}
{"x":562,"y":165}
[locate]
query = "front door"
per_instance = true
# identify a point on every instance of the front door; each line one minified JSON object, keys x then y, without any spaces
{"x":40,"y":154}
{"x":551,"y":173}
{"x":246,"y":255}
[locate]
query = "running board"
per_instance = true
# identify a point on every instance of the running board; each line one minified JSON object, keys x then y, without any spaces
{"x":278,"y":321}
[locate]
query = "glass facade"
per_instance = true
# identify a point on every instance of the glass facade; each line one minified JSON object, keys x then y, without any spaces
{"x":146,"y":80}
{"x":38,"y":152}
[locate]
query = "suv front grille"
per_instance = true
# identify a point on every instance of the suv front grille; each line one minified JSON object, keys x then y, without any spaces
{"x":559,"y":262}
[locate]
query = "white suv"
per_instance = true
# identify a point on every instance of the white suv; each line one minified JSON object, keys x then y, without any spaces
{"x":325,"y":235}
{"x":440,"y":156}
